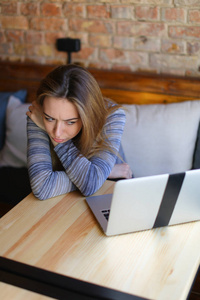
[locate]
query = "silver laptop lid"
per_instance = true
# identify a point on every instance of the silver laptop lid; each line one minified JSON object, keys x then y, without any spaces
{"x":149,"y":202}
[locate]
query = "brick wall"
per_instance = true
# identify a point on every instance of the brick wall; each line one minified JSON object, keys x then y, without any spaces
{"x":161,"y":36}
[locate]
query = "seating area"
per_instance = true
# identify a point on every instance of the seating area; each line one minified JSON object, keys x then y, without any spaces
{"x":162,"y":119}
{"x":161,"y":133}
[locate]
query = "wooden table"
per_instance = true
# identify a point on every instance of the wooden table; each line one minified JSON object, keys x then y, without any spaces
{"x":62,"y":235}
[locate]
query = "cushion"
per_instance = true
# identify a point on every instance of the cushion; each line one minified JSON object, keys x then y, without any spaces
{"x":15,"y":147}
{"x":196,"y":157}
{"x":161,"y":138}
{"x":4,"y":96}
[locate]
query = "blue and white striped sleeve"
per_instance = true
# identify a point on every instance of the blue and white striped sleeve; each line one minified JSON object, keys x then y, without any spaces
{"x":80,"y":173}
{"x":89,"y":175}
{"x":45,"y":183}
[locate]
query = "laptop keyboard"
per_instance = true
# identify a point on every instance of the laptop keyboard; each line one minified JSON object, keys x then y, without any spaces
{"x":106,"y":213}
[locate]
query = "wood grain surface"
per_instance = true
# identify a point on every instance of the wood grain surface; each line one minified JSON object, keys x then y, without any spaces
{"x":61,"y":235}
{"x":121,"y":86}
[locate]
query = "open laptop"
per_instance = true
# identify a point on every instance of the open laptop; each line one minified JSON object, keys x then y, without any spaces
{"x":148,"y":202}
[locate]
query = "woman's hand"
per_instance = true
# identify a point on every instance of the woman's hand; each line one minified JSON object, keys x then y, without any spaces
{"x":36,"y":114}
{"x":121,"y":171}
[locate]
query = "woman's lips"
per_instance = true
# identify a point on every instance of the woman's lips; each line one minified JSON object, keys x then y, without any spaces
{"x":58,"y":140}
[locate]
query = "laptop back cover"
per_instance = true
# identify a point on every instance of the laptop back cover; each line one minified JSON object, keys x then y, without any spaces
{"x":149,"y":202}
{"x":135,"y":204}
{"x":155,"y":201}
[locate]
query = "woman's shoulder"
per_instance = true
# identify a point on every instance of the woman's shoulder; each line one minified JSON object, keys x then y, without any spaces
{"x":114,"y":108}
{"x":116,"y":116}
{"x":116,"y":111}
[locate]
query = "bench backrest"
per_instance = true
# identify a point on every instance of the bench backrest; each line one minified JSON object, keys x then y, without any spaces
{"x":123,"y":87}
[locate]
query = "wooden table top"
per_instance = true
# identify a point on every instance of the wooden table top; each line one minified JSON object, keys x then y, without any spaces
{"x":61,"y":235}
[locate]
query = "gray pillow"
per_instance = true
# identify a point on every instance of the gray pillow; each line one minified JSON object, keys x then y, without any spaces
{"x":196,"y":158}
{"x":161,"y":138}
{"x":14,"y":150}
{"x":4,"y":97}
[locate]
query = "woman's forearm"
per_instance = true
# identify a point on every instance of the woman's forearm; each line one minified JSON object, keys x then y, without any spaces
{"x":45,"y":183}
{"x":89,"y":175}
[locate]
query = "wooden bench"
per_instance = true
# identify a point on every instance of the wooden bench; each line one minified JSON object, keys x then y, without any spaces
{"x":123,"y":87}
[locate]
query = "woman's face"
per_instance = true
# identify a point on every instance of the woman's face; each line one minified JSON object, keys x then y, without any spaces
{"x":61,"y":119}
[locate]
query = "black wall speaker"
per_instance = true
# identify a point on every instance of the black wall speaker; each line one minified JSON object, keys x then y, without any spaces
{"x":68,"y":45}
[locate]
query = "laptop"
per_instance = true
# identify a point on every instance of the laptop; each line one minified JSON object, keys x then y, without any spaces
{"x":148,"y":202}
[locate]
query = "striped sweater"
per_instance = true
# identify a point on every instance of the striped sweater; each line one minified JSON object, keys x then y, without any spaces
{"x":80,"y":173}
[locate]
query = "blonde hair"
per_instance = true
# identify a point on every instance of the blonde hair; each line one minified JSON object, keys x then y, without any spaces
{"x":77,"y":85}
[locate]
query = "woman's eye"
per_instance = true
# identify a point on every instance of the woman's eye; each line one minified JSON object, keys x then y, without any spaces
{"x":70,"y":122}
{"x":49,"y":119}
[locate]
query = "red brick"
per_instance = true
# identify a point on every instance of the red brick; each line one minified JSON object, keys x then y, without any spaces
{"x":29,"y":30}
{"x":98,"y":11}
{"x":100,"y":40}
{"x":143,"y":43}
{"x":44,"y":50}
{"x":34,"y":37}
{"x":193,"y":48}
{"x":14,"y":22}
{"x":51,"y":37}
{"x":30,"y":49}
{"x":6,"y":48}
{"x":72,"y":9}
{"x":112,"y":55}
{"x":83,"y":36}
{"x":175,"y":72}
{"x":51,"y":9}
{"x":40,"y":50}
{"x":107,"y":1}
{"x":186,"y":3}
{"x":141,"y":28}
{"x":122,"y":12}
{"x":2,"y":37}
{"x":138,"y":58}
{"x":29,"y":9}
{"x":54,"y":24}
{"x":147,"y":13}
{"x":173,"y":14}
{"x":184,"y":32}
{"x":173,"y":61}
{"x":172,"y":46}
{"x":9,"y":8}
{"x":60,"y":55}
{"x":192,"y":73}
{"x":123,"y":42}
{"x":19,"y":49}
{"x":91,"y":26}
{"x":15,"y":36}
{"x":86,"y":53}
{"x":194,"y":16}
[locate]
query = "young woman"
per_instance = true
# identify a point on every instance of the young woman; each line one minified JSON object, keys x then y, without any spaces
{"x":74,"y":135}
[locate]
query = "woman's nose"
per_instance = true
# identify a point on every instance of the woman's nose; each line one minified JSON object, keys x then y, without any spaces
{"x":58,"y":130}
